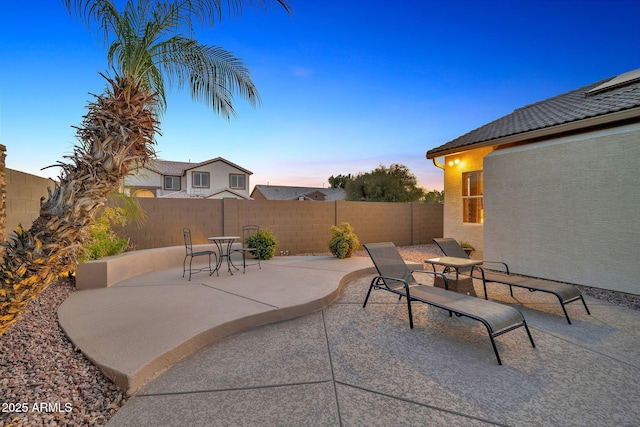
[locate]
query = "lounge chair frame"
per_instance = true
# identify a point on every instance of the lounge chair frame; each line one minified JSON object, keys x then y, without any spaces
{"x":497,"y":318}
{"x":566,"y":293}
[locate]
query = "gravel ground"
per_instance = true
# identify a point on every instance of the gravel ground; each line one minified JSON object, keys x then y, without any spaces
{"x":45,"y":380}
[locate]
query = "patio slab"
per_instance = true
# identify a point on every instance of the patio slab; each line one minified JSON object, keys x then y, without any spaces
{"x":139,"y":327}
{"x":347,"y":365}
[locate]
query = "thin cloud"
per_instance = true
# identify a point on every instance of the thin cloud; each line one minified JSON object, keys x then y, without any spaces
{"x":302,"y":72}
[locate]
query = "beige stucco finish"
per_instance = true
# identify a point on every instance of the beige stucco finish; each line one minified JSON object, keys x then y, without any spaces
{"x":148,"y":179}
{"x":452,"y":224}
{"x":567,"y":209}
{"x":219,"y":175}
{"x":108,"y":271}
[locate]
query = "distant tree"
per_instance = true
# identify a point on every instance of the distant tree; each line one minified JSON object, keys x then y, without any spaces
{"x":339,"y":181}
{"x":395,"y":183}
{"x":434,"y":196}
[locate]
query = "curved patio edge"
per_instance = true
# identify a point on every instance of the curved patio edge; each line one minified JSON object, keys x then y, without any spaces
{"x":136,"y":329}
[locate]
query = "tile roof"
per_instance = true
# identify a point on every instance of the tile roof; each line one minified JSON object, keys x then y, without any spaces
{"x":597,"y":99}
{"x":281,"y":192}
{"x":166,"y":167}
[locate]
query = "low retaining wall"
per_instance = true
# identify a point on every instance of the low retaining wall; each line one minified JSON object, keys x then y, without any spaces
{"x":108,"y":271}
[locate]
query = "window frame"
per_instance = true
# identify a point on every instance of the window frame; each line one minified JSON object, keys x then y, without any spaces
{"x":200,"y":174}
{"x":174,"y":179}
{"x":236,"y":175}
{"x":472,"y":197}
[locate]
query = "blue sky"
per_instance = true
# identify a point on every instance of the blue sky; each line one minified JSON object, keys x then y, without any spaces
{"x":346,"y":85}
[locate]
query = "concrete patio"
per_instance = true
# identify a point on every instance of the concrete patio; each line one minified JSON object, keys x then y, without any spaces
{"x":342,"y":364}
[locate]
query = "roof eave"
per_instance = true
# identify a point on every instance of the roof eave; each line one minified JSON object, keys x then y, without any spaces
{"x":219,"y":159}
{"x":542,"y":133}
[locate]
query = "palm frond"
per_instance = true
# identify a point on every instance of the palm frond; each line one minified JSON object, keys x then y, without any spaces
{"x":146,"y":42}
{"x":213,"y":74}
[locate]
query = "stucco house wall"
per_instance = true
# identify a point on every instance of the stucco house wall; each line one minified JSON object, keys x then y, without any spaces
{"x":561,"y":188}
{"x":148,"y":179}
{"x":219,"y":176}
{"x":567,"y":209}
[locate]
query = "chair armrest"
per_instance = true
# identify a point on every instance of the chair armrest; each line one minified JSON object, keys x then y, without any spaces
{"x":434,"y":274}
{"x":506,"y":267}
{"x":406,"y":283}
{"x":395,"y":279}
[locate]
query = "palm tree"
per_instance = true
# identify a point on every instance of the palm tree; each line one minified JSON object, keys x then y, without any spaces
{"x":146,"y":47}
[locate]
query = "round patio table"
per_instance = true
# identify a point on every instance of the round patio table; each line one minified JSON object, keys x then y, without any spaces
{"x":223,"y":243}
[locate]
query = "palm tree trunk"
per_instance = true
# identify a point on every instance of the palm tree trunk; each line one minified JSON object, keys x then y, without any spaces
{"x":116,"y":136}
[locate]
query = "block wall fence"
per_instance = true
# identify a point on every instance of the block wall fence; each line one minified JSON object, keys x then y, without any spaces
{"x":20,"y":195}
{"x":300,"y":226}
{"x":3,"y":195}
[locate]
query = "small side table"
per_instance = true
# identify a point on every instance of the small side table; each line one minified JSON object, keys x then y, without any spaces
{"x":463,"y":285}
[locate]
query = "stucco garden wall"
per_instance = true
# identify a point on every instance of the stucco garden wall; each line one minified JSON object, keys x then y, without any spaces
{"x":567,"y":209}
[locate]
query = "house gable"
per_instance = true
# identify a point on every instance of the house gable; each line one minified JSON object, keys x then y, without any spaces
{"x":204,"y":177}
{"x":219,"y":160}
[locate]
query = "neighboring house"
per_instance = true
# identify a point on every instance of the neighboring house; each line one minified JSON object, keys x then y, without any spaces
{"x":278,"y":192}
{"x":213,"y":179}
{"x":553,"y":188}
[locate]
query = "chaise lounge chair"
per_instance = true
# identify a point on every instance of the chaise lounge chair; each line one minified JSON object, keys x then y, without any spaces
{"x":396,"y":277}
{"x":565,"y":292}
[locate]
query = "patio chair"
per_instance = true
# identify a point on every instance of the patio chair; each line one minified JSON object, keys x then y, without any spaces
{"x":396,"y":277}
{"x":188,"y":245}
{"x":565,"y":292}
{"x":247,"y":230}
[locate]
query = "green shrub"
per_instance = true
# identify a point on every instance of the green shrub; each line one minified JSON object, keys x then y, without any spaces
{"x":103,"y":241}
{"x":264,"y":241}
{"x":344,"y":241}
{"x":467,"y":245}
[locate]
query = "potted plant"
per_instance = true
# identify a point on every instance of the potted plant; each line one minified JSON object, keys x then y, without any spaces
{"x":344,"y":241}
{"x":467,"y":247}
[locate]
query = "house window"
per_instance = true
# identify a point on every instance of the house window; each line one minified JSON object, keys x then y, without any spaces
{"x":237,"y":182}
{"x":472,"y":202}
{"x":200,"y":179}
{"x":172,"y":183}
